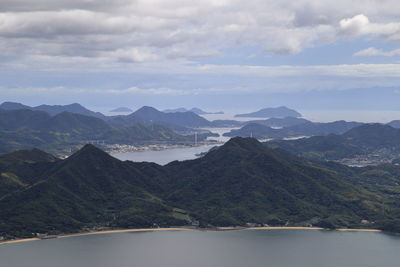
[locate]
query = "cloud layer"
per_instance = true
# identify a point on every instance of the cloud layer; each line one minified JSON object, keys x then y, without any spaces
{"x":138,"y":31}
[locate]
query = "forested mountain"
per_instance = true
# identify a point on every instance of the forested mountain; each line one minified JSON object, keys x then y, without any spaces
{"x":24,"y":128}
{"x":361,"y":140}
{"x":54,"y":109}
{"x":262,"y":131}
{"x":242,"y":181}
{"x":186,"y":119}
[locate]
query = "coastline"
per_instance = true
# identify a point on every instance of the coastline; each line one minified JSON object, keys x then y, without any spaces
{"x":231,"y":228}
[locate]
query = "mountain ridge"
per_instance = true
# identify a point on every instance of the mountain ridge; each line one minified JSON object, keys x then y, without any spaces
{"x":242,"y":181}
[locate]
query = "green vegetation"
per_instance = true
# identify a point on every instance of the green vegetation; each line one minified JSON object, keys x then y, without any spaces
{"x":241,"y":182}
{"x":65,"y":132}
{"x":292,"y":128}
{"x":379,"y":139}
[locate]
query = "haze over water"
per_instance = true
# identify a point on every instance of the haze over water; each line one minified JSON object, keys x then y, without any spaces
{"x":277,"y":248}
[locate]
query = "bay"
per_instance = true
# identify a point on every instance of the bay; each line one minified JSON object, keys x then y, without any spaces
{"x":245,"y":248}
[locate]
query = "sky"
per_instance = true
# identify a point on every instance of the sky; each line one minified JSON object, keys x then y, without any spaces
{"x":212,"y":54}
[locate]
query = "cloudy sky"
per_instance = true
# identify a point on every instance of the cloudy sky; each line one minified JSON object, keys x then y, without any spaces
{"x":216,"y":54}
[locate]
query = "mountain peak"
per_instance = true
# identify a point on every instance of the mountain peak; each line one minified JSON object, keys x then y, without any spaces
{"x":146,"y":108}
{"x":90,"y":148}
{"x":90,"y":152}
{"x":239,"y":145}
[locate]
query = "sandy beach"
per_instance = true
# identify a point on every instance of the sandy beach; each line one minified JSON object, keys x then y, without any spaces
{"x":186,"y":229}
{"x":97,"y":233}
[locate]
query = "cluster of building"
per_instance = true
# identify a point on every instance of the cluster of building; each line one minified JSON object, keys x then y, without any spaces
{"x":377,"y":157}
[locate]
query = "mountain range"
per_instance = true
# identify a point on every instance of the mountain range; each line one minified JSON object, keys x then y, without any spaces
{"x":240,"y":182}
{"x":177,"y":121}
{"x":296,"y":128}
{"x":377,"y":140}
{"x":25,"y":128}
{"x":54,"y":109}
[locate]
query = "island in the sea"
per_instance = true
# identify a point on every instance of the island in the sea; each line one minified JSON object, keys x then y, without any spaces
{"x":278,"y":112}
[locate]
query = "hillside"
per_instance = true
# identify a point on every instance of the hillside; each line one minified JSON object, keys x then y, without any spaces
{"x":278,"y":112}
{"x":25,"y":129}
{"x":242,"y":181}
{"x":185,"y":119}
{"x":368,"y":140}
{"x":262,"y":130}
{"x":281,"y":122}
{"x":54,"y":109}
{"x":258,"y":131}
{"x":88,"y":187}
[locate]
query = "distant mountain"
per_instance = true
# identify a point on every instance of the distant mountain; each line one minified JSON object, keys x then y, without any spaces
{"x":186,"y":119}
{"x":13,"y":106}
{"x":194,"y":110}
{"x":281,"y":122}
{"x":304,"y":128}
{"x":54,"y":109}
{"x":122,"y":110}
{"x":72,"y":108}
{"x":72,"y":123}
{"x":381,"y":140}
{"x":394,"y":124}
{"x":242,"y":181}
{"x":279,"y":112}
{"x":258,"y":131}
{"x":25,"y":129}
{"x":323,"y":128}
{"x":181,"y":122}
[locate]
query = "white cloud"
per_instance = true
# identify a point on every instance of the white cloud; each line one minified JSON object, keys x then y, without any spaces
{"x":372,"y":51}
{"x":354,"y":26}
{"x":183,"y":29}
{"x":361,"y":25}
{"x":158,"y":35}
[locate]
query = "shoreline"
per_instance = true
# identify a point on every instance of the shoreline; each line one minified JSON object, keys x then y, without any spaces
{"x":122,"y":149}
{"x":22,"y":240}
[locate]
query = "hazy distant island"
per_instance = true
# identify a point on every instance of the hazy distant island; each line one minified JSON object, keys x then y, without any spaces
{"x":278,"y":112}
{"x":194,"y":110}
{"x":122,"y":110}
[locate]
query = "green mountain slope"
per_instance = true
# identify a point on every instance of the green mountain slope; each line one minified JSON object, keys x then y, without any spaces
{"x":241,"y":182}
{"x":89,"y":188}
{"x":263,"y":130}
{"x":362,"y":140}
{"x":244,"y":181}
{"x":25,"y":129}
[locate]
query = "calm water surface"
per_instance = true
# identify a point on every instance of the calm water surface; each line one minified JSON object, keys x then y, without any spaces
{"x":278,"y":248}
{"x":165,"y":156}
